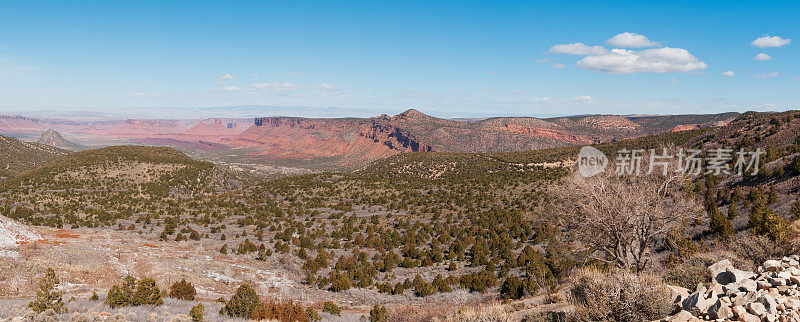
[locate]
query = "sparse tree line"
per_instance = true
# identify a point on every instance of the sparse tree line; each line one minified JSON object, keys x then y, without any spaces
{"x":245,"y":303}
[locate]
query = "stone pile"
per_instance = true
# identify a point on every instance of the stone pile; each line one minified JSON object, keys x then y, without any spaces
{"x":770,"y":294}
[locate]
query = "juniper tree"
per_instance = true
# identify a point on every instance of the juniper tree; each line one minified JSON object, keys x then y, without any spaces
{"x":47,"y":295}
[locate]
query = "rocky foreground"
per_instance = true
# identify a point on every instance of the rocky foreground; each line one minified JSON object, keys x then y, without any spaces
{"x":771,"y":294}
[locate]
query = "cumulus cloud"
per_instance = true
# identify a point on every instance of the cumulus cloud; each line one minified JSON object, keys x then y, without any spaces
{"x":728,"y":73}
{"x":657,"y":60}
{"x":326,"y":86}
{"x":226,"y":77}
{"x":577,"y":49}
{"x":762,"y":57}
{"x":767,"y":75}
{"x":540,"y":99}
{"x":559,"y":66}
{"x":300,"y":73}
{"x":630,"y":40}
{"x":275,"y":86}
{"x":770,"y":41}
{"x":229,"y":88}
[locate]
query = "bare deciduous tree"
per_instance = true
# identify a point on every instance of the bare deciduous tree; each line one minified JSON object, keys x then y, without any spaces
{"x":622,"y":217}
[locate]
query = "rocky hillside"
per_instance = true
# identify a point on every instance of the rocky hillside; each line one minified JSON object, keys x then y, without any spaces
{"x":351,"y":142}
{"x":770,"y":294}
{"x":17,"y":156}
{"x":13,"y":234}
{"x":54,"y":139}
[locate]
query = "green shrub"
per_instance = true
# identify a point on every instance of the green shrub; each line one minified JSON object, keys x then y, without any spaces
{"x":116,"y":297}
{"x":331,"y":308}
{"x":147,"y":293}
{"x":619,"y":296}
{"x":512,"y":288}
{"x":182,"y":290}
{"x":94,"y":297}
{"x":133,"y":293}
{"x":313,"y":315}
{"x":242,"y":304}
{"x":197,"y":312}
{"x":719,"y":223}
{"x":478,"y":282}
{"x":339,"y":281}
{"x":47,"y":296}
{"x":378,"y":314}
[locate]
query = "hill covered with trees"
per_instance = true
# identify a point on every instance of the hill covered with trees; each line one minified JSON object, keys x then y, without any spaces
{"x":17,"y":156}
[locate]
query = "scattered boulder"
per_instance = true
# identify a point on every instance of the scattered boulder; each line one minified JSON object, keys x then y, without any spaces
{"x":772,"y":294}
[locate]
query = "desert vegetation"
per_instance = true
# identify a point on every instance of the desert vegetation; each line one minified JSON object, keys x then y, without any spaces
{"x":429,"y":227}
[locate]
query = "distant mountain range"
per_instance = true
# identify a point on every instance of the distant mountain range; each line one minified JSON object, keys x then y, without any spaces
{"x":330,"y":143}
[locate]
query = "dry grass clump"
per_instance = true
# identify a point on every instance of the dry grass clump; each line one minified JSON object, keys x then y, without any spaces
{"x":688,"y":273}
{"x":619,"y":296}
{"x":281,"y":311}
{"x":484,"y":313}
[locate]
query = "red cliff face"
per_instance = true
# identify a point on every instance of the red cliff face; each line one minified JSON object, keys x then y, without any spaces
{"x":352,"y":141}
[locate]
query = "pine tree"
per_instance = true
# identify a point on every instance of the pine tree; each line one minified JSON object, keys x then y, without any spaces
{"x":182,"y":290}
{"x":719,"y":223}
{"x":242,"y":304}
{"x":732,"y":212}
{"x":47,"y":297}
{"x":116,"y":297}
{"x":147,"y":293}
{"x":378,"y":314}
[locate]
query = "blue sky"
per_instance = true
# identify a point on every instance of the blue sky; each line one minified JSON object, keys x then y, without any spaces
{"x":361,"y":58}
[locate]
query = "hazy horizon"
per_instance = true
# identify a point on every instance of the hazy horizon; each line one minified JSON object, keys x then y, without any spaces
{"x":239,"y":112}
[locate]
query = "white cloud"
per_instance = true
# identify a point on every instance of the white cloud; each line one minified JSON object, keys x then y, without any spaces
{"x":540,"y":99}
{"x":584,"y":98}
{"x":145,"y":95}
{"x":658,"y":60}
{"x":229,"y":88}
{"x":630,"y":40}
{"x":300,"y":73}
{"x":326,"y":86}
{"x":728,"y":73}
{"x":577,"y":49}
{"x":559,"y":66}
{"x":672,"y":81}
{"x":275,"y":86}
{"x":226,"y":77}
{"x":542,"y":61}
{"x":773,"y":41}
{"x":767,"y":75}
{"x":762,"y":57}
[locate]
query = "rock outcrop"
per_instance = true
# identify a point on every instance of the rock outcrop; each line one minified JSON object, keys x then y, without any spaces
{"x":54,"y":139}
{"x":770,"y":294}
